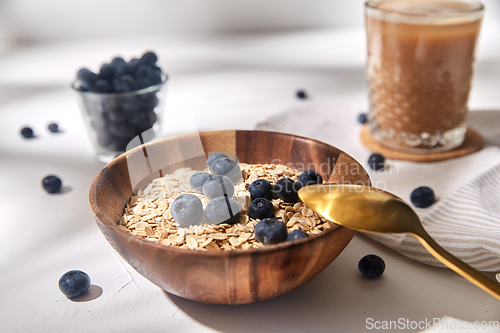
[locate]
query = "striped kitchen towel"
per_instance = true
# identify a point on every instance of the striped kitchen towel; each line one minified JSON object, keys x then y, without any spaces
{"x":465,"y":220}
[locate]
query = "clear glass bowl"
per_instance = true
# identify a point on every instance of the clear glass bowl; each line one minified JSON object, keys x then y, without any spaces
{"x":114,"y":120}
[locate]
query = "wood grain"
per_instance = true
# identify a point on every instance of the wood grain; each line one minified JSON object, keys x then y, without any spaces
{"x":224,"y":277}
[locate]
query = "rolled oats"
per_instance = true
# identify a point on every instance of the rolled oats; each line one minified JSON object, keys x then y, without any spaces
{"x":148,"y":215}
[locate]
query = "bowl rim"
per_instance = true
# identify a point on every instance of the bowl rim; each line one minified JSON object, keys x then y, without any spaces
{"x":221,"y":253}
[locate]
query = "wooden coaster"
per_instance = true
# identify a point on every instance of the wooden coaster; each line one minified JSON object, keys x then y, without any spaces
{"x":472,"y":143}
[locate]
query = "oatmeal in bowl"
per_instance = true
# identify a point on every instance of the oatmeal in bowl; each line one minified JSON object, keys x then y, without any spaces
{"x":199,"y":251}
{"x":149,"y":213}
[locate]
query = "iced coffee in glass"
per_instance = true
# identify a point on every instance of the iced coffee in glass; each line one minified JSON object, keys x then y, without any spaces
{"x":420,"y":65}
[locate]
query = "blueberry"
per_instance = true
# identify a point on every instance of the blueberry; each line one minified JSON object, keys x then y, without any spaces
{"x":148,"y":58}
{"x":197,"y":180}
{"x":143,"y":82}
{"x":213,"y":157}
{"x":74,"y":283}
{"x":155,"y":78}
{"x":362,"y":118}
{"x":107,"y":72}
{"x":150,"y":101}
{"x":309,"y":177}
{"x":223,"y":210}
{"x":86,"y":76}
{"x":27,"y":133}
{"x":134,"y":62}
{"x":270,"y":231}
{"x":286,"y":189}
{"x":52,"y":184}
{"x":261,"y":188}
{"x":371,"y":266}
{"x":296,"y":234}
{"x":157,"y":70}
{"x":227,"y":167}
{"x":187,"y":210}
{"x":122,"y":130}
{"x":261,"y":208}
{"x":124,"y":69}
{"x":102,"y":86}
{"x":147,"y":122}
{"x":116,"y":115}
{"x":376,"y":161}
{"x":422,"y":197}
{"x":218,"y":186}
{"x":143,"y":71}
{"x":54,"y":128}
{"x":127,"y":83}
{"x":301,"y":94}
{"x":116,"y":144}
{"x":116,"y":62}
{"x":130,"y":104}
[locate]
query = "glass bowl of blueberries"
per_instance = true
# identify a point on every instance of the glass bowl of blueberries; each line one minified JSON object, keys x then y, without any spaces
{"x":120,"y":102}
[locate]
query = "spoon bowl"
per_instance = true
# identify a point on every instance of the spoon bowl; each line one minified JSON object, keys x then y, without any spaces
{"x":369,"y":209}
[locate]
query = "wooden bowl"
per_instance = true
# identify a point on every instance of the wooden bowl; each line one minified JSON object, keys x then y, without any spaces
{"x":222,"y":277}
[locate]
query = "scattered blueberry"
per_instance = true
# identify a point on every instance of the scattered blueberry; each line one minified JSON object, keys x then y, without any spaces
{"x":74,"y":283}
{"x":54,"y":128}
{"x":371,"y":266}
{"x":27,"y":133}
{"x":222,"y":210}
{"x":227,"y":167}
{"x":261,"y":188}
{"x":422,"y":197}
{"x":197,"y":180}
{"x":301,"y":94}
{"x":270,"y":231}
{"x":362,"y":118}
{"x":218,"y":186}
{"x":261,"y":208}
{"x":52,"y":184}
{"x":213,"y":157}
{"x":296,"y":234}
{"x":376,"y":161}
{"x":187,"y":210}
{"x":309,"y":177}
{"x":286,"y":189}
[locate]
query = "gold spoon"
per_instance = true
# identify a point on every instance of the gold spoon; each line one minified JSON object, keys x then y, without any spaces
{"x":369,"y":209}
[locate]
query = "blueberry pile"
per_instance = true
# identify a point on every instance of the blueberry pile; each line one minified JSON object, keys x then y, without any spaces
{"x":120,"y":76}
{"x":117,"y":114}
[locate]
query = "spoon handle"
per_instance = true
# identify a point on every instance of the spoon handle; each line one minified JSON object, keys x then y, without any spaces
{"x":458,"y":265}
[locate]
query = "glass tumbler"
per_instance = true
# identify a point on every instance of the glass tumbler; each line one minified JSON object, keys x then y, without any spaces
{"x":113,"y":120}
{"x":419,"y":70}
